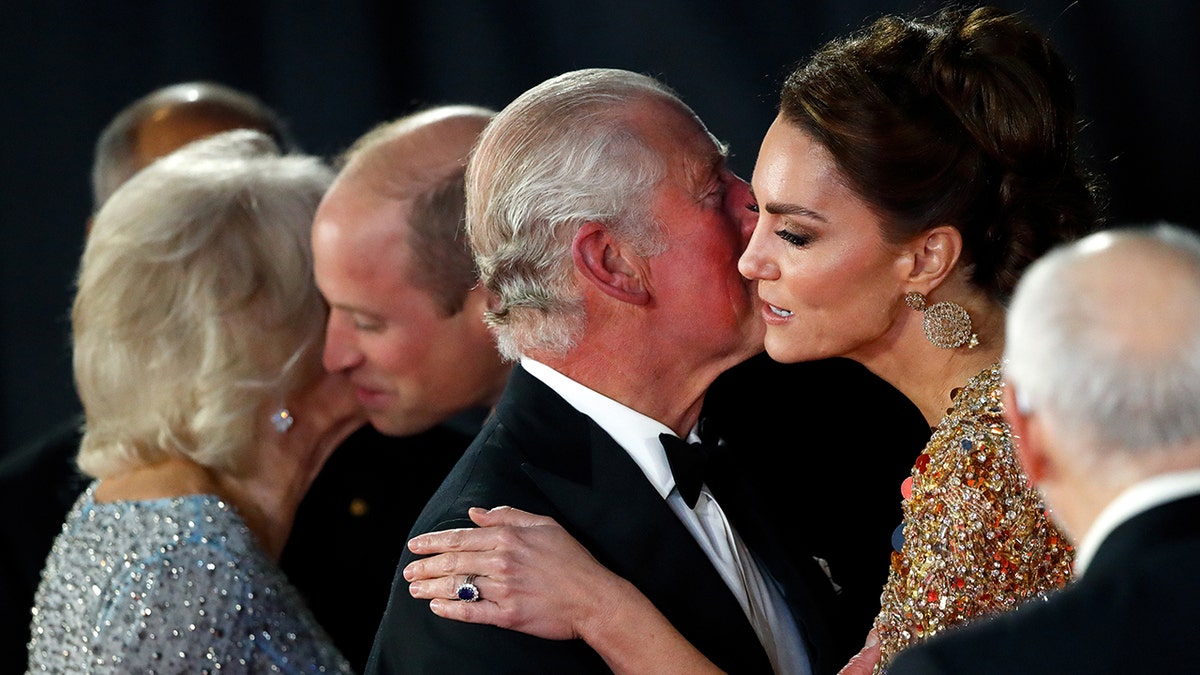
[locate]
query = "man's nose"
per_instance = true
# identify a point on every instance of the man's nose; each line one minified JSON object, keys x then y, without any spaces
{"x":341,"y":352}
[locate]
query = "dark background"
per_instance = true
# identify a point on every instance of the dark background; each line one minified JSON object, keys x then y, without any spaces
{"x":335,"y":68}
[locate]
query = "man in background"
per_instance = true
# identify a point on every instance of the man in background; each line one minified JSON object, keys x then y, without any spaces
{"x":406,"y":326}
{"x":392,"y":260}
{"x":169,"y":118}
{"x":1103,"y":391}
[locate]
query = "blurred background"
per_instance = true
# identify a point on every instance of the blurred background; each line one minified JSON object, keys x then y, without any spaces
{"x":333,"y":69}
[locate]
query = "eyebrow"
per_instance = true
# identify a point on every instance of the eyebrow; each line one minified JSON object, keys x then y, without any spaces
{"x":780,"y":209}
{"x":705,"y":175}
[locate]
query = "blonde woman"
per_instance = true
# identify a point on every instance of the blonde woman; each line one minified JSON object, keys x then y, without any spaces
{"x":197,"y":341}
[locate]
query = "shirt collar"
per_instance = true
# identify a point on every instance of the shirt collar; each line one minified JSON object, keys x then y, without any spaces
{"x":636,"y":433}
{"x":1134,"y":500}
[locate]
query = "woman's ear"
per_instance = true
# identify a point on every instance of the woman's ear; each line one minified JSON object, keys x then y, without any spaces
{"x":934,"y":255}
{"x":609,"y":265}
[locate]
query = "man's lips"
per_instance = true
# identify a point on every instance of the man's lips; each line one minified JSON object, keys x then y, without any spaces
{"x":368,"y":396}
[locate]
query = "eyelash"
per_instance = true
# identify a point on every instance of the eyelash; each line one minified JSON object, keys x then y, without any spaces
{"x":365,"y":326}
{"x":797,"y":240}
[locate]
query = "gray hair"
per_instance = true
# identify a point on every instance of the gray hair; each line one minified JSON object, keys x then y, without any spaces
{"x":196,"y":311}
{"x":115,"y":162}
{"x":1104,"y":337}
{"x":562,"y":154}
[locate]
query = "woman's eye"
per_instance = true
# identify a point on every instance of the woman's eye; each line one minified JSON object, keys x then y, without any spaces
{"x":793,"y":238}
{"x":752,"y":207}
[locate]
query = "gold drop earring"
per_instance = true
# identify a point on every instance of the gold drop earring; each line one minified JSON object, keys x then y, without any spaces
{"x":947,"y":324}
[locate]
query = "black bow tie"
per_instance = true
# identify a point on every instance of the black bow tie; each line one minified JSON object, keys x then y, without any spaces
{"x":689,"y":464}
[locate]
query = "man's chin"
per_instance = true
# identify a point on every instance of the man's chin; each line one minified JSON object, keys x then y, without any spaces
{"x":396,"y":425}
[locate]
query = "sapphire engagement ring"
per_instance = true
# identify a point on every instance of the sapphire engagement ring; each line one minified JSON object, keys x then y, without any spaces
{"x":467,"y":591}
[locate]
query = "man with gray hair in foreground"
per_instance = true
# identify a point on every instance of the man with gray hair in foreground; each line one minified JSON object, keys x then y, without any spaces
{"x":1103,"y":390}
{"x":605,"y":220}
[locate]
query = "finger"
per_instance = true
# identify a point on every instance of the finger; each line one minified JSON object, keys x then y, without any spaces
{"x":507,"y":515}
{"x":444,"y":587}
{"x":427,"y":589}
{"x":864,"y":662}
{"x":450,"y":564}
{"x":471,"y":612}
{"x":462,"y":539}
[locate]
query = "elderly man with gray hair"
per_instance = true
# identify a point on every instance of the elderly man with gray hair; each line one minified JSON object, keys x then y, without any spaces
{"x":1103,"y":389}
{"x":605,"y":220}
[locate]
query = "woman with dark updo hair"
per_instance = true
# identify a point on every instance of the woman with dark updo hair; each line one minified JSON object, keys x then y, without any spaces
{"x":913,"y":172}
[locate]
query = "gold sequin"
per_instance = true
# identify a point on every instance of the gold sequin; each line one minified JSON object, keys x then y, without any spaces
{"x":976,"y":537}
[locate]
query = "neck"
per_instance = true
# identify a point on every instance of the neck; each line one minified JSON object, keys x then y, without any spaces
{"x":278,"y":471}
{"x":1087,"y":480}
{"x":927,"y":374}
{"x":631,"y":372}
{"x":284,"y":466}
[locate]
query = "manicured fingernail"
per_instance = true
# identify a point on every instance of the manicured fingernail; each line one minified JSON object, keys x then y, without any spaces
{"x":414,"y":588}
{"x":408,"y":573}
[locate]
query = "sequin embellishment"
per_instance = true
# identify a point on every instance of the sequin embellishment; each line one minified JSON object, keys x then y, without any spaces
{"x":169,"y":585}
{"x":976,"y":538}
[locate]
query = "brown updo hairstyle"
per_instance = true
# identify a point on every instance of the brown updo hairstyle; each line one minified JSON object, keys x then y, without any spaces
{"x":966,"y":119}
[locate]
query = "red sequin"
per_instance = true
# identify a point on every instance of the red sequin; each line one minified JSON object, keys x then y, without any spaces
{"x":922,"y":462}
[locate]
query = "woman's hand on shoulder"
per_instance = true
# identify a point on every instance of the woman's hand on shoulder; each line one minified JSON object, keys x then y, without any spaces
{"x":532,"y":575}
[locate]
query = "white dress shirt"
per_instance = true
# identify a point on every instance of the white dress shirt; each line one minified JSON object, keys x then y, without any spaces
{"x":1134,"y":500}
{"x":756,"y":591}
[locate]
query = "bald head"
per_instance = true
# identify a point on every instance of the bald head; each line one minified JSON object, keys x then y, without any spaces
{"x":1104,"y":337}
{"x":405,"y":155}
{"x":169,"y":118}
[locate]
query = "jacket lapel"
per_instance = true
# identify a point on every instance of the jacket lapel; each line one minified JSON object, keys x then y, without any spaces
{"x":606,"y":502}
{"x":806,"y":588}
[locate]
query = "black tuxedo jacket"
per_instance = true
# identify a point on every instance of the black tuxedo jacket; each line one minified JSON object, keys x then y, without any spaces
{"x":829,"y":440}
{"x":1133,"y":611}
{"x":38,"y":485}
{"x":343,"y":551}
{"x":539,"y":454}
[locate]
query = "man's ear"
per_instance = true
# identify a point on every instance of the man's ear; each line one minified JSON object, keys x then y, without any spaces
{"x":932,"y":256}
{"x":609,"y":264}
{"x":1028,"y":437}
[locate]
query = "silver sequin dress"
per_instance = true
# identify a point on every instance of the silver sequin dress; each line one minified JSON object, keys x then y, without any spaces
{"x":169,"y":586}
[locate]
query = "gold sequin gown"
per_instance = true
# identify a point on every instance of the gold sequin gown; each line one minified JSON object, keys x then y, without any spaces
{"x":976,"y":536}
